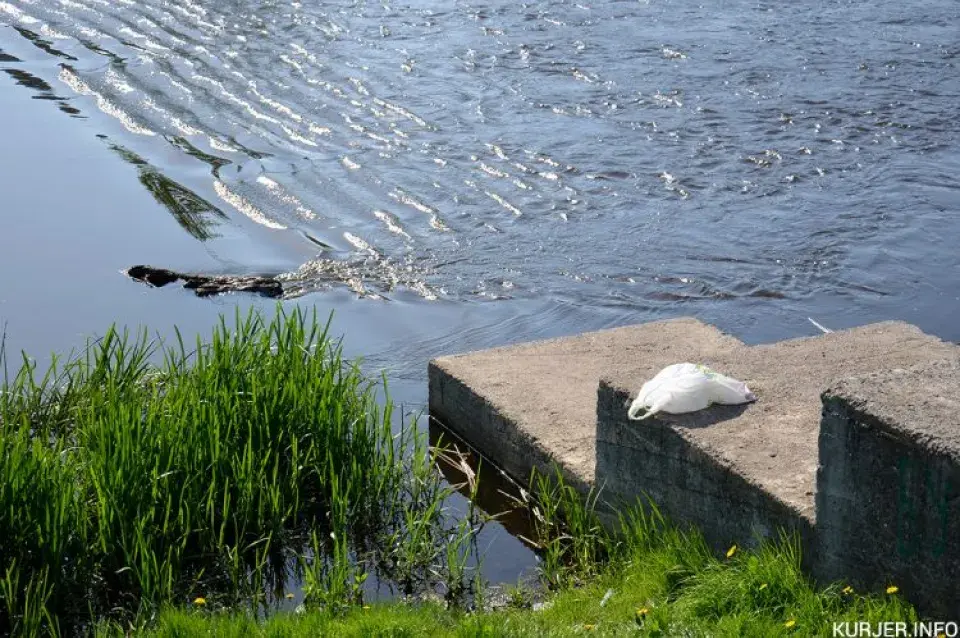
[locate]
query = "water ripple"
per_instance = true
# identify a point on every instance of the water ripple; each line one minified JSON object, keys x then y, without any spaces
{"x":529,"y":150}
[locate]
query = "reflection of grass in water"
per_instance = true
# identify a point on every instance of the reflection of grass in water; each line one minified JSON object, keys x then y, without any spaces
{"x":648,"y":579}
{"x":231,"y":467}
{"x":192,"y":212}
{"x":29,"y":80}
{"x":43,"y":45}
{"x":215,"y":162}
{"x":196,"y":215}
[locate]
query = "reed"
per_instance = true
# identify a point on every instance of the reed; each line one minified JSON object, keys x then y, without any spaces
{"x":140,"y":474}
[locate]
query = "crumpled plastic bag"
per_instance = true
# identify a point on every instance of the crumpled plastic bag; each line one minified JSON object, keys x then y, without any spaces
{"x":687,"y":387}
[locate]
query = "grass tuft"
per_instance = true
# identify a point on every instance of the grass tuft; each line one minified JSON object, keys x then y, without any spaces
{"x":127,"y":486}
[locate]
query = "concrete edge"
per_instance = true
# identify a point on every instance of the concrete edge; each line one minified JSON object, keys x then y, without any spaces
{"x":842,"y":396}
{"x":593,"y":334}
{"x":474,"y":419}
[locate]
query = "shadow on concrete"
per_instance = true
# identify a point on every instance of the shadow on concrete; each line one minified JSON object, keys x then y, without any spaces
{"x":702,"y":419}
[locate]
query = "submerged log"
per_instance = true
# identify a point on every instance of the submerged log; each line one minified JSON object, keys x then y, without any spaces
{"x":207,"y":285}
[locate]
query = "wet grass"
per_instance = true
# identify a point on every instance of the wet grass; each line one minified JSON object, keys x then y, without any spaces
{"x":647,"y":579}
{"x":138,"y":476}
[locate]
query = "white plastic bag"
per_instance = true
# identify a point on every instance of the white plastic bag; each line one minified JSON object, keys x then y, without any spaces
{"x":687,"y":387}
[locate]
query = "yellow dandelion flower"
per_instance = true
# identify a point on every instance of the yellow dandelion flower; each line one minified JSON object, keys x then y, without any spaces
{"x":847,"y":590}
{"x":763,"y":586}
{"x":790,"y":623}
{"x":366,"y":606}
{"x":643,"y":611}
{"x":589,"y":627}
{"x":892,"y":589}
{"x":731,"y":551}
{"x":199,"y":600}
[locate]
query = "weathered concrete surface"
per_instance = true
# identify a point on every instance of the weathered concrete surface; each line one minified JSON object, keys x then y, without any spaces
{"x":888,"y":486}
{"x":743,"y":472}
{"x":737,"y":472}
{"x":887,"y":504}
{"x":530,"y":405}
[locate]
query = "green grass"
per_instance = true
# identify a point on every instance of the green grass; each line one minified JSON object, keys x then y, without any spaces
{"x":139,"y":477}
{"x":649,"y":579}
{"x":227,"y":469}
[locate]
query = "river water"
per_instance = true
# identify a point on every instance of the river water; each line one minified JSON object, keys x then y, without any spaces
{"x":451,"y":176}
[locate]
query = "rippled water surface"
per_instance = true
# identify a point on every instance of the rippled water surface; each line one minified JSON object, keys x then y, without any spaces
{"x":462,"y":174}
{"x":638,"y":154}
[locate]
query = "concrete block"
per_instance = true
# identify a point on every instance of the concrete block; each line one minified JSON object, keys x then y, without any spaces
{"x":690,"y":483}
{"x":529,"y":406}
{"x":740,"y":473}
{"x":888,"y":485}
{"x":760,"y":458}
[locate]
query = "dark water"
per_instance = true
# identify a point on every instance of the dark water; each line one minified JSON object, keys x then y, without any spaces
{"x":450,"y":176}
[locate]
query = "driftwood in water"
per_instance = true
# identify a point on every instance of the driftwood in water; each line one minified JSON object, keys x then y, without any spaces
{"x":207,"y":285}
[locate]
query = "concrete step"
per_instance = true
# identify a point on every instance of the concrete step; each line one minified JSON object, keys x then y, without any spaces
{"x":888,"y":486}
{"x":530,"y":405}
{"x":736,"y":471}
